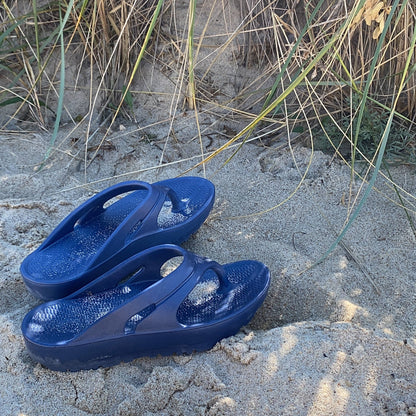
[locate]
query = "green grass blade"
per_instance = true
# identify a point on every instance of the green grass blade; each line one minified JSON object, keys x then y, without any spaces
{"x":381,"y":150}
{"x":370,"y":77}
{"x":9,"y":30}
{"x":35,"y":20}
{"x":11,"y":101}
{"x":62,"y":23}
{"x":142,"y":49}
{"x":136,"y":65}
{"x":291,"y":87}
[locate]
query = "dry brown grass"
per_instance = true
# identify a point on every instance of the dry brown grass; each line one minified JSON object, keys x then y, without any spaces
{"x":112,"y":33}
{"x":276,"y":25}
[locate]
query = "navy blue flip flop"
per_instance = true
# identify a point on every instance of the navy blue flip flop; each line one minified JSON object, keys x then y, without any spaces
{"x":144,"y":314}
{"x":94,"y":238}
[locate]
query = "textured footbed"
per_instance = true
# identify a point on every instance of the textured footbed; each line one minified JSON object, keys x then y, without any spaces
{"x":58,"y":322}
{"x":72,"y":253}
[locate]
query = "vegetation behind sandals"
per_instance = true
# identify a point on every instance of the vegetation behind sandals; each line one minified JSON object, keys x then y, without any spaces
{"x":325,"y":69}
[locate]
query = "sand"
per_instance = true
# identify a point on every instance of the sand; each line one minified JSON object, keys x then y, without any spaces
{"x":338,"y":338}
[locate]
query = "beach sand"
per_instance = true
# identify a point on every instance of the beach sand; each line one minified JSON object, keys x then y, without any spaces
{"x":335,"y":339}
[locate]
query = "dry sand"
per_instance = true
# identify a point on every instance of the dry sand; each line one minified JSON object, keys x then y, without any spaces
{"x":336,"y":339}
{"x":327,"y":341}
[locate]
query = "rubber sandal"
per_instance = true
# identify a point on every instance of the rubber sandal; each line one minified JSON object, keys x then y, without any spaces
{"x":93,"y":238}
{"x":190,"y":309}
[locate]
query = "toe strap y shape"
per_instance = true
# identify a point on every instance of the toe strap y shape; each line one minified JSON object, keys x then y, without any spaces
{"x":163,"y":297}
{"x":92,"y":208}
{"x":140,"y":221}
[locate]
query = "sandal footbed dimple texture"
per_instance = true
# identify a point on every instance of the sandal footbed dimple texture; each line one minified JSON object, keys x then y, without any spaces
{"x":94,"y":239}
{"x":190,"y":309}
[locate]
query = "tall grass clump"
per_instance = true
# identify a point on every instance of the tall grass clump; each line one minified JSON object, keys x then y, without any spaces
{"x":115,"y":35}
{"x":24,"y":53}
{"x":339,"y":60}
{"x":111,"y":37}
{"x":327,"y":64}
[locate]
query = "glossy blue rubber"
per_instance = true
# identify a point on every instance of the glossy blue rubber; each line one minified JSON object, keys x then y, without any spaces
{"x":145,"y":314}
{"x":93,"y":238}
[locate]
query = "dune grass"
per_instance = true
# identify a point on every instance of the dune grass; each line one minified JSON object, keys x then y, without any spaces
{"x":330,"y":74}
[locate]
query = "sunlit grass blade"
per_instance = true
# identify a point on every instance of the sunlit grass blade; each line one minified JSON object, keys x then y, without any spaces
{"x":382,"y":146}
{"x":290,"y":88}
{"x":133,"y":72}
{"x":62,"y":20}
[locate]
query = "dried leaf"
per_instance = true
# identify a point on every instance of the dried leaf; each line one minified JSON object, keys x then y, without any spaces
{"x":380,"y":18}
{"x":377,"y":32}
{"x":373,"y":13}
{"x":358,"y":17}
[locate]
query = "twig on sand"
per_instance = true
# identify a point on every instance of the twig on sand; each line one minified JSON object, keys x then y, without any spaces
{"x":360,"y":265}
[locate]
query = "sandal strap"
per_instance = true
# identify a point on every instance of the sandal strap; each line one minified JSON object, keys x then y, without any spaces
{"x":91,"y":208}
{"x":164,"y":296}
{"x":140,"y":222}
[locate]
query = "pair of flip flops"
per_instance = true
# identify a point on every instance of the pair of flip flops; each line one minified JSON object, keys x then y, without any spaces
{"x":109,"y":298}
